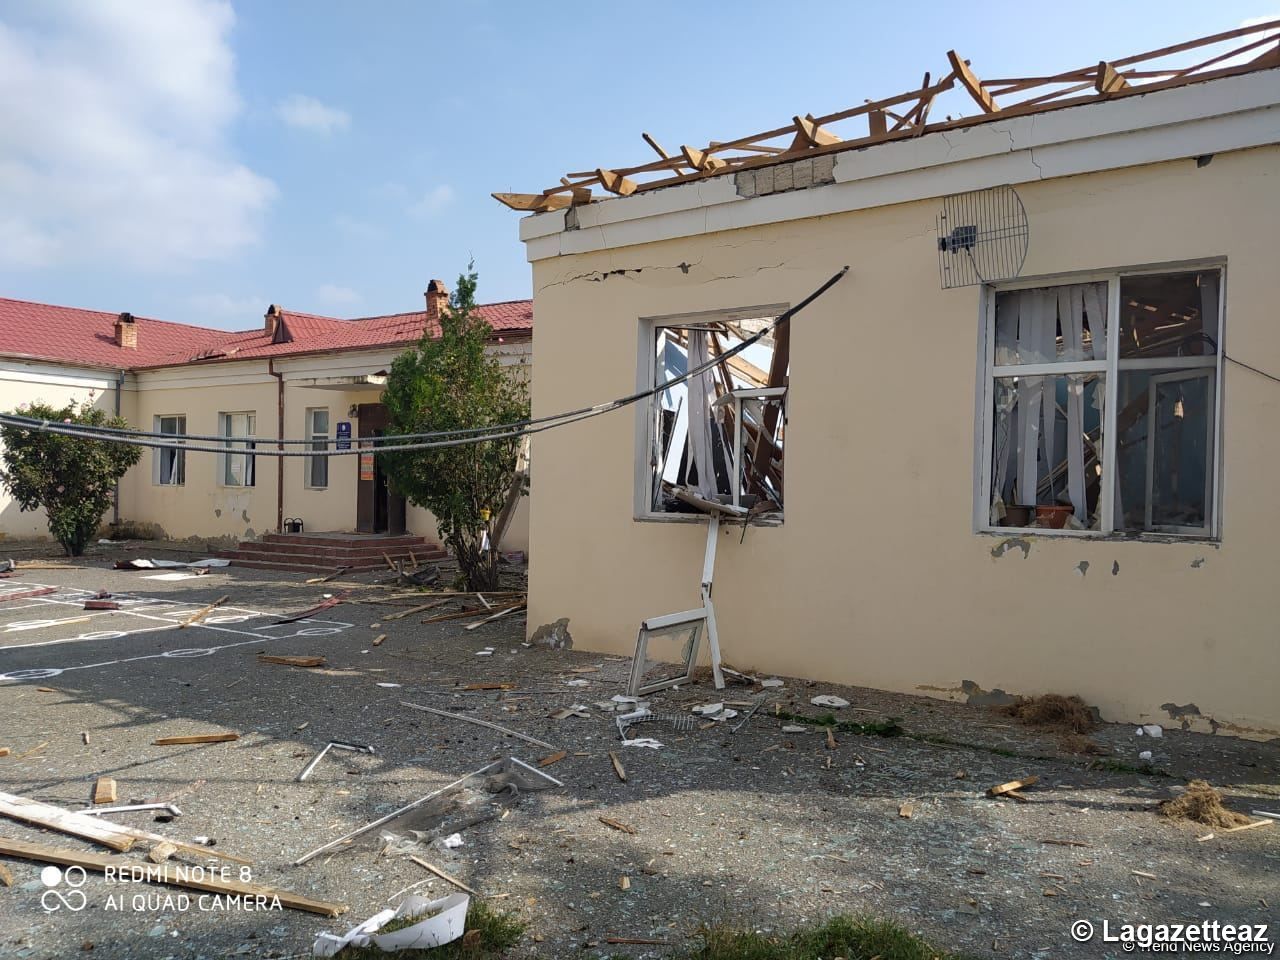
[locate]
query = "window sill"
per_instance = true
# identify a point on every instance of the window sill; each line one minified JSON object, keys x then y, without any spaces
{"x":1095,"y":536}
{"x":762,"y":521}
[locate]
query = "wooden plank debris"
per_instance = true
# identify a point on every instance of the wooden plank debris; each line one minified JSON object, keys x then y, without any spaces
{"x":161,"y":852}
{"x":65,"y":821}
{"x":324,"y":605}
{"x":292,"y":661}
{"x":412,"y":610}
{"x":554,"y":758}
{"x":195,"y":738}
{"x":1013,"y":785}
{"x":1108,"y":80}
{"x":971,"y":83}
{"x":165,"y":874}
{"x":482,"y":723}
{"x":202,"y":613}
{"x":907,"y":810}
{"x":618,"y":825}
{"x":442,"y":875}
{"x":498,"y":615}
{"x":1248,"y":826}
{"x":6,"y":877}
{"x":104,"y":791}
{"x":28,"y":594}
{"x":617,"y":766}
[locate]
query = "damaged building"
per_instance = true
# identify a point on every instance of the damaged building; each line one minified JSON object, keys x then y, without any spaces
{"x":1028,"y":445}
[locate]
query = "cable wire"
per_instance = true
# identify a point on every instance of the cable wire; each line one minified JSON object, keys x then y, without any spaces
{"x":434,"y":440}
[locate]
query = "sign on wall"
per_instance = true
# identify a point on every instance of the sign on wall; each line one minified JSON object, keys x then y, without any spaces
{"x":344,"y":435}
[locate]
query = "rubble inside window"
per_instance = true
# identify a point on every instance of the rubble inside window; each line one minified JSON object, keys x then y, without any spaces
{"x":718,"y":436}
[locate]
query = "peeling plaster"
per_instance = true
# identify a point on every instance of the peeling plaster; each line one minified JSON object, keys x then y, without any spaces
{"x":1082,"y":568}
{"x":1115,"y":568}
{"x":1014,"y":543}
{"x":1197,"y":563}
{"x":977,"y":697}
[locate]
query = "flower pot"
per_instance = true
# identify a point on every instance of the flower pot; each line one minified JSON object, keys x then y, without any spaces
{"x":1052,"y":516}
{"x":1016,"y":516}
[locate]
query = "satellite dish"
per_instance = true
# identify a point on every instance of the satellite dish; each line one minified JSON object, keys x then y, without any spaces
{"x":982,"y":237}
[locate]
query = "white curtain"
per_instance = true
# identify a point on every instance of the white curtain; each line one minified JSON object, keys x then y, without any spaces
{"x":701,"y":396}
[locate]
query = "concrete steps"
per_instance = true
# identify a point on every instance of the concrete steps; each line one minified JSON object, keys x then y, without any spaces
{"x":325,"y":552}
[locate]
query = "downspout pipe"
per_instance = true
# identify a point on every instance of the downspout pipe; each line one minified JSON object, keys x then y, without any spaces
{"x":115,"y":506}
{"x":271,"y":369}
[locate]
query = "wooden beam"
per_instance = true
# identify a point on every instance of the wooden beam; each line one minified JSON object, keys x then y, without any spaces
{"x":700,"y":159}
{"x":656,"y":146}
{"x":1107,"y":80}
{"x":747,"y":147}
{"x":810,"y":132}
{"x":163,"y":873}
{"x":877,"y":123}
{"x":534,"y":202}
{"x":616,"y":183}
{"x":64,"y":821}
{"x":581,"y":195}
{"x":970,"y":82}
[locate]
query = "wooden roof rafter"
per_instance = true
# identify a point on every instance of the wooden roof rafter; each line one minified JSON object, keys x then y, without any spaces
{"x":907,"y":115}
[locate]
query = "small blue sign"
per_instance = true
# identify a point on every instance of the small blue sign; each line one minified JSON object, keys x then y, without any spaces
{"x":344,"y":435}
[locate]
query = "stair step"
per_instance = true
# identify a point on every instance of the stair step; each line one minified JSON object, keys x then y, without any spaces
{"x":421,"y":551}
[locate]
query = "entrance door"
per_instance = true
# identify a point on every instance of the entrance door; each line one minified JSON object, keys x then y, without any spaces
{"x":378,"y":508}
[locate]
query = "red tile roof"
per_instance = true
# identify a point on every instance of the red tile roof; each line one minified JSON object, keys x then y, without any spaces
{"x":87,"y":337}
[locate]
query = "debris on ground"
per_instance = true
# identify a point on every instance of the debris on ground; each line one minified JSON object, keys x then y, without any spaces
{"x":417,"y":924}
{"x":1201,"y":803}
{"x":555,"y":636}
{"x":828,"y":700}
{"x":292,"y":661}
{"x":1052,"y":711}
{"x":195,"y":738}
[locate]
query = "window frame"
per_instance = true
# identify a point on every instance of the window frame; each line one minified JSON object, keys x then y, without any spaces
{"x":646,"y":419}
{"x":316,"y":441}
{"x":157,"y":460}
{"x":247,"y":444}
{"x":1111,"y":368}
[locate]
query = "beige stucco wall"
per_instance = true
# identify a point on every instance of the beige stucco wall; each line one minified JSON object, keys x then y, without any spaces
{"x":204,"y":507}
{"x":876,"y":577}
{"x":28,"y":382}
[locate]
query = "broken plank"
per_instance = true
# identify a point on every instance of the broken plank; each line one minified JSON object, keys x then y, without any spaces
{"x":1248,"y":826}
{"x":1001,"y":788}
{"x":535,"y":202}
{"x":64,"y":821}
{"x":4,"y":751}
{"x":907,"y":810}
{"x":810,"y":133}
{"x":1108,"y":80}
{"x":462,"y":614}
{"x":616,"y":183}
{"x":292,"y":661}
{"x":442,"y":875}
{"x":164,"y":874}
{"x":195,"y":738}
{"x":161,"y":852}
{"x":6,"y":878}
{"x":104,"y":791}
{"x":377,"y":641}
{"x":478,"y":722}
{"x":554,"y":758}
{"x":324,"y":605}
{"x":504,"y":685}
{"x":203,"y":612}
{"x":27,"y":594}
{"x":617,"y":825}
{"x":505,"y":611}
{"x":617,"y":766}
{"x":418,"y":609}
{"x":970,"y":82}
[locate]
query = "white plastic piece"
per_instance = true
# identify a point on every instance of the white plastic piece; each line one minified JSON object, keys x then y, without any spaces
{"x":643,"y":742}
{"x":827,"y":700}
{"x":771,"y":682}
{"x":1153,"y":730}
{"x":453,"y":840}
{"x":1145,"y":755}
{"x":444,"y":921}
{"x":794,"y":728}
{"x":707,"y":709}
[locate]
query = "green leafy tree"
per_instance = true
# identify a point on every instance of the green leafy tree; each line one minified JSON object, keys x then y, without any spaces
{"x":71,"y":478}
{"x":449,"y":382}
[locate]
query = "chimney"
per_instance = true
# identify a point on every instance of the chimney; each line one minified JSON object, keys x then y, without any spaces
{"x":271,"y":322}
{"x":437,"y":299}
{"x":126,"y":332}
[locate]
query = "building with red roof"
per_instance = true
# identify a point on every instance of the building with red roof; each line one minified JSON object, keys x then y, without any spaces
{"x":295,"y":375}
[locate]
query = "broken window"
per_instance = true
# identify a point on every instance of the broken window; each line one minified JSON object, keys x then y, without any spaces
{"x":718,"y":435}
{"x":169,"y":465}
{"x":318,"y":434}
{"x":237,"y":468}
{"x":1103,"y":404}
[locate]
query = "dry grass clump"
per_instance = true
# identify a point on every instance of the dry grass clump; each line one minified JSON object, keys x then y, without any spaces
{"x":1052,"y":711}
{"x":1203,"y":804}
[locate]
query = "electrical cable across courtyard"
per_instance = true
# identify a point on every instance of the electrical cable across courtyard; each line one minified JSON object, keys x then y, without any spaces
{"x":433,"y":440}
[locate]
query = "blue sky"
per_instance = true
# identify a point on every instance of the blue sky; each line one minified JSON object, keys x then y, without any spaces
{"x":196,"y":160}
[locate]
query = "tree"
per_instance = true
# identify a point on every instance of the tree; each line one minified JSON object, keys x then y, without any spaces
{"x":71,"y":478}
{"x":450,"y":382}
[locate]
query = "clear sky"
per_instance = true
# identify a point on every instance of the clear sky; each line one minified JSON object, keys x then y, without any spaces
{"x":196,"y":160}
